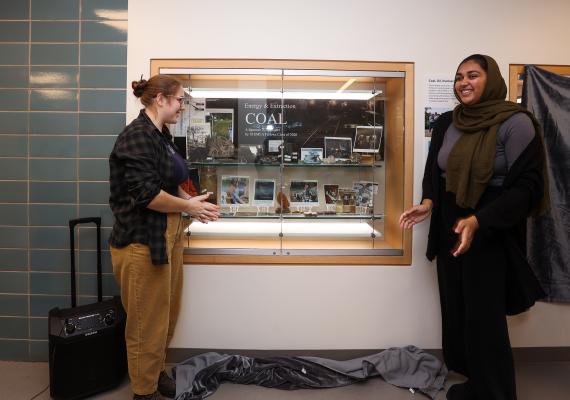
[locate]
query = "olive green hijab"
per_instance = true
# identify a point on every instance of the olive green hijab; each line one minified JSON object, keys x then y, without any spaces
{"x":471,"y":160}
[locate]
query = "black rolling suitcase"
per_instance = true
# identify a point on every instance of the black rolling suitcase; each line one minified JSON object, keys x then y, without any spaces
{"x":87,"y":353}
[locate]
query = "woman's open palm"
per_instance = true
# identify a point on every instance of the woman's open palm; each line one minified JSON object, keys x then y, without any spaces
{"x":414,"y":215}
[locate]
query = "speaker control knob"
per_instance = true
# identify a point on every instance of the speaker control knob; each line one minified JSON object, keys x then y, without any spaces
{"x":69,"y":327}
{"x":109,"y":318}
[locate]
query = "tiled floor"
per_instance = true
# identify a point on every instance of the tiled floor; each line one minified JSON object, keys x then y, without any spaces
{"x":536,"y":381}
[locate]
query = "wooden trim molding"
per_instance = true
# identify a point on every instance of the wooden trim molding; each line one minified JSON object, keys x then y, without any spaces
{"x":516,"y":70}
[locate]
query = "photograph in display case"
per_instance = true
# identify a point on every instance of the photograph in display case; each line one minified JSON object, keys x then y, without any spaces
{"x":274,"y":146}
{"x":222,"y":122}
{"x":331,"y":194}
{"x":208,"y":183}
{"x":304,"y":192}
{"x":198,"y":133}
{"x":311,"y":155}
{"x":234,"y":190}
{"x":338,"y":147}
{"x":347,"y":200}
{"x":264,"y":192}
{"x":365,"y":192}
{"x":367,"y":139}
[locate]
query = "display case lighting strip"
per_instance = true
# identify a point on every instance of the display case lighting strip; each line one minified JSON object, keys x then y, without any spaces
{"x":279,"y":72}
{"x":347,"y":230}
{"x":269,"y":94}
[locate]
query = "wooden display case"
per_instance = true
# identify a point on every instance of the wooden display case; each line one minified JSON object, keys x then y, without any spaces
{"x":274,"y":141}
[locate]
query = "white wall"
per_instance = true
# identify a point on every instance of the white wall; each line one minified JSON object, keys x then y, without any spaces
{"x":304,"y":307}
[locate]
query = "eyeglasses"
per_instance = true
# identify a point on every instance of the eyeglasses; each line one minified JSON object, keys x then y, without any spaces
{"x":180,"y":99}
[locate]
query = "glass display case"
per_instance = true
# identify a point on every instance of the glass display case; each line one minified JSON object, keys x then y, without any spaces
{"x":310,"y":161}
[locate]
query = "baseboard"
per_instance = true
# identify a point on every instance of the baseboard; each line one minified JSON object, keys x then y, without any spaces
{"x":521,"y":354}
{"x":541,"y":354}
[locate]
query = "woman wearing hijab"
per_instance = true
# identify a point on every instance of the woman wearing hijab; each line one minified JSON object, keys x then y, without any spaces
{"x":484,"y":175}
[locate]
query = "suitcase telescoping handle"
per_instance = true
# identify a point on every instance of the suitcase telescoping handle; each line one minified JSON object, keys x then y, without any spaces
{"x":72,"y":223}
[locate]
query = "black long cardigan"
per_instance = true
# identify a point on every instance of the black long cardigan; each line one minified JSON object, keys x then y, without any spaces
{"x":521,"y":192}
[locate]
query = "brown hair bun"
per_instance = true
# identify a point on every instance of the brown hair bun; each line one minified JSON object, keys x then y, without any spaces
{"x":148,"y":90}
{"x":139,"y":87}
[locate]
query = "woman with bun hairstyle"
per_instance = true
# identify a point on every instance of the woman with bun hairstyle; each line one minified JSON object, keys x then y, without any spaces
{"x":147,"y":237}
{"x":485,"y":174}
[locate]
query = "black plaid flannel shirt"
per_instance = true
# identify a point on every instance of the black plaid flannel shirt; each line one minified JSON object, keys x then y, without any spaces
{"x":139,"y":167}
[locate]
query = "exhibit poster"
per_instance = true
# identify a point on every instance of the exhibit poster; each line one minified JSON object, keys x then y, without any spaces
{"x":439,"y":99}
{"x":301,"y":122}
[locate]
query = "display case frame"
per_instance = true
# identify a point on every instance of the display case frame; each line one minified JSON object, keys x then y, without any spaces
{"x":395,"y":246}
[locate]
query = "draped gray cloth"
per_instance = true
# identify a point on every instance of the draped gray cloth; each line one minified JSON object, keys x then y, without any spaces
{"x":547,"y":96}
{"x":407,"y":367}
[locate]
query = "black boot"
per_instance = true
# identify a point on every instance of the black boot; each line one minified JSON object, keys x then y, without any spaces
{"x":460,"y":391}
{"x":166,"y":385}
{"x":152,"y":396}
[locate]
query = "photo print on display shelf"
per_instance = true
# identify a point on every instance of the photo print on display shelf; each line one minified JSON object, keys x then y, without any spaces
{"x":348,"y":199}
{"x":331,"y":194}
{"x":367,"y":139}
{"x":274,"y":146}
{"x":264,"y":192}
{"x":311,"y":155}
{"x":338,"y":147}
{"x":234,"y":190}
{"x":198,"y":134}
{"x":222,"y":122}
{"x":304,"y":192}
{"x":365,"y":192}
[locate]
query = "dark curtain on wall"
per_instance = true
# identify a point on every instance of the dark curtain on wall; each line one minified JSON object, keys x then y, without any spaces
{"x":547,"y":96}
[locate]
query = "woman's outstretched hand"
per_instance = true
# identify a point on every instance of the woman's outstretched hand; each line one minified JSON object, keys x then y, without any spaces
{"x":416,"y":214}
{"x":202,"y":210}
{"x":465,"y":228}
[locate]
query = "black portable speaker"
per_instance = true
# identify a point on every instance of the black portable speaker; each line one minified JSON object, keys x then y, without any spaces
{"x":87,"y":352}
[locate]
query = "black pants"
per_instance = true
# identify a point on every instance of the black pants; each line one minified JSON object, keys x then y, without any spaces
{"x":472,"y":293}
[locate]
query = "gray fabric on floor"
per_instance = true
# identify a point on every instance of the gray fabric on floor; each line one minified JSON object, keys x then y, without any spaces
{"x":407,"y":367}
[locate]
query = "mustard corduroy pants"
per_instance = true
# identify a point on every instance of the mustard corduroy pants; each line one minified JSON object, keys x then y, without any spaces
{"x":151,"y":296}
